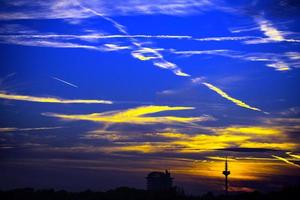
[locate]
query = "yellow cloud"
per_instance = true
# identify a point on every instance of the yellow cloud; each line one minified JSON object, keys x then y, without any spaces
{"x":226,"y":96}
{"x":286,"y":161}
{"x":256,"y":130}
{"x":202,"y":142}
{"x":269,"y":30}
{"x":220,"y":138}
{"x":141,"y":148}
{"x":270,"y":145}
{"x":293,"y":155}
{"x":220,"y":158}
{"x":173,"y":135}
{"x":134,"y":116}
{"x":4,"y":95}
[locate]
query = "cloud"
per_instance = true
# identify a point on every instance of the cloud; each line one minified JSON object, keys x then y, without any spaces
{"x":269,"y":30}
{"x":229,"y":38}
{"x":280,"y":62}
{"x":220,"y":158}
{"x":7,"y":96}
{"x":65,"y":82}
{"x":293,"y":55}
{"x":146,"y":53}
{"x":75,"y":9}
{"x":171,"y":66}
{"x":255,"y":139}
{"x":219,"y":139}
{"x":134,"y":116}
{"x":61,"y":41}
{"x":254,"y":130}
{"x":114,"y":47}
{"x":201,"y":52}
{"x":268,"y":40}
{"x":238,"y":149}
{"x":53,"y":9}
{"x":46,"y":43}
{"x":279,"y":66}
{"x":14,"y":129}
{"x":98,"y":36}
{"x":167,"y":92}
{"x":226,"y":96}
{"x":140,"y":7}
{"x":243,"y":29}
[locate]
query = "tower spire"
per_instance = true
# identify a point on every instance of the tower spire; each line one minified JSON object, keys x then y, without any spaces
{"x":226,"y":173}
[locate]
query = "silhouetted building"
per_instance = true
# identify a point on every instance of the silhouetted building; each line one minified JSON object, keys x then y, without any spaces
{"x":159,"y":181}
{"x":226,"y":173}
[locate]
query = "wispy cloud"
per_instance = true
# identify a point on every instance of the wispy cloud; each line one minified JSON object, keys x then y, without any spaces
{"x":141,"y":52}
{"x":54,"y":9}
{"x":269,"y":29}
{"x":65,"y":82}
{"x":134,"y":116}
{"x":7,"y":96}
{"x":115,"y":47}
{"x":201,"y":52}
{"x":244,"y":29}
{"x":272,"y":33}
{"x":14,"y":129}
{"x":228,"y":38}
{"x":98,"y":36}
{"x":71,"y":9}
{"x":139,"y":7}
{"x":8,"y":76}
{"x":280,"y":62}
{"x":46,"y":43}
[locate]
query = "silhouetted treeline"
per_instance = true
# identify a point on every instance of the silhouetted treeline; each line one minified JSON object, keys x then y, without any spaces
{"x":125,"y":193}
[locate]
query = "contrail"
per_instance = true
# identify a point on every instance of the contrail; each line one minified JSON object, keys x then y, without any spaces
{"x":226,"y":96}
{"x":286,"y":161}
{"x":65,"y":82}
{"x":293,"y":155}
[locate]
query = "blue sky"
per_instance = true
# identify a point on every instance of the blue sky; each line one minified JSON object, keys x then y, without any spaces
{"x":94,"y":90}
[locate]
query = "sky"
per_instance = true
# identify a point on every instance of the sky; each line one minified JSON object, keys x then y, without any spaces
{"x":96,"y":94}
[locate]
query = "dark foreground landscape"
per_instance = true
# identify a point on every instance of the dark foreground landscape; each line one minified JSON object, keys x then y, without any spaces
{"x":125,"y":193}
